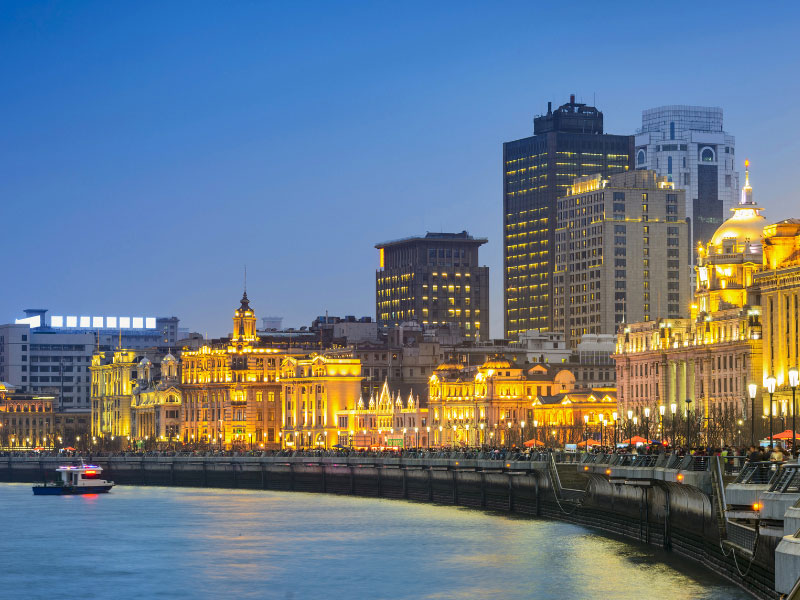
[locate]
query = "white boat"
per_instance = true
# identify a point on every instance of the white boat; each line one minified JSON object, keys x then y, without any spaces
{"x":75,"y":479}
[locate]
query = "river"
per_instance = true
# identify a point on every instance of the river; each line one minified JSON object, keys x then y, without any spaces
{"x":151,"y":542}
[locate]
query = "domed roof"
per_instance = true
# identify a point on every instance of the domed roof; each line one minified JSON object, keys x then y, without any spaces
{"x":145,"y":362}
{"x":747,"y":222}
{"x":169,"y":358}
{"x":450,"y":366}
{"x":497,"y":362}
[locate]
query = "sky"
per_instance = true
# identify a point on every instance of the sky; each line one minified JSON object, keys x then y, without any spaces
{"x":149,"y":151}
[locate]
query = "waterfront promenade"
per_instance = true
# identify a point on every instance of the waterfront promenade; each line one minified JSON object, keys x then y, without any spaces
{"x":670,"y":501}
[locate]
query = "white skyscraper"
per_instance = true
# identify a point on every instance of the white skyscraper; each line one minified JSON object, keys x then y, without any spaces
{"x":687,"y":145}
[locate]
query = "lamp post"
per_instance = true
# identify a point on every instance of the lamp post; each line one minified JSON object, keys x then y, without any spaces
{"x":794,"y":380}
{"x":752,"y":390}
{"x":536,"y":430}
{"x":661,"y":410}
{"x":586,"y":431}
{"x":771,"y":389}
{"x":673,"y":408}
{"x":630,"y":426}
{"x":688,"y":422}
{"x":481,"y":438}
{"x":521,"y":434}
{"x":614,"y":415}
{"x":647,"y":424}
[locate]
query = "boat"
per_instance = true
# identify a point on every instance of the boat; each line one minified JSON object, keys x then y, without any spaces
{"x":75,"y":479}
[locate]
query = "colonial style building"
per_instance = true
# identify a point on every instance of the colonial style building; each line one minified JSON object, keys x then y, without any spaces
{"x":314,"y":389}
{"x":26,"y":420}
{"x":112,"y":385}
{"x":570,"y":417}
{"x":779,"y":285}
{"x":385,"y":422}
{"x":705,"y":363}
{"x":230,"y":390}
{"x":491,"y":404}
{"x":156,"y":402}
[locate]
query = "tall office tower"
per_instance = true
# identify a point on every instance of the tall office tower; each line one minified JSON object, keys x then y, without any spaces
{"x":687,"y":145}
{"x":567,"y":142}
{"x":621,"y":246}
{"x":434,"y":280}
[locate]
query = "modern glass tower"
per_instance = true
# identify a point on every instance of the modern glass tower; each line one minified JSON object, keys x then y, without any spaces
{"x":688,"y":146}
{"x":567,"y":143}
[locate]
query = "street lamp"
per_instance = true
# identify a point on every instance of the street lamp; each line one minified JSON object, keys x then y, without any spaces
{"x":647,"y":424}
{"x":521,"y":433}
{"x":752,"y":390}
{"x":771,"y":389}
{"x":586,"y":431}
{"x":794,"y":380}
{"x":661,"y":410}
{"x":615,"y":415}
{"x":536,"y":429}
{"x":688,"y":422}
{"x":428,"y":430}
{"x":673,"y":408}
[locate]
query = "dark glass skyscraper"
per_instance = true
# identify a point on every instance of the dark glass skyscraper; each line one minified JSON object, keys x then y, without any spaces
{"x":567,"y":142}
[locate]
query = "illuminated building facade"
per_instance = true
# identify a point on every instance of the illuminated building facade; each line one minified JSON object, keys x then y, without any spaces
{"x":51,"y":354}
{"x":706,"y":361}
{"x":230,"y":390}
{"x":384,"y":422}
{"x":686,"y":144}
{"x":26,"y":420}
{"x":567,"y":143}
{"x":434,"y":280}
{"x":561,"y":418}
{"x":621,"y":254}
{"x":491,"y":404}
{"x":314,"y":390}
{"x":112,"y":384}
{"x":779,"y":285}
{"x":156,"y":402}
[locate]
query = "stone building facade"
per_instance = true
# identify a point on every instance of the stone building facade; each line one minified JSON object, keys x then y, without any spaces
{"x":26,"y":420}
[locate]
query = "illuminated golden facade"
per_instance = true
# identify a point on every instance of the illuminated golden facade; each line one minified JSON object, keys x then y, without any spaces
{"x":26,"y":420}
{"x":562,"y":417}
{"x":704,"y":362}
{"x":231,"y":394}
{"x":385,"y":422}
{"x":779,"y":284}
{"x":314,"y":389}
{"x":112,"y":386}
{"x":156,"y":402}
{"x":489,"y":405}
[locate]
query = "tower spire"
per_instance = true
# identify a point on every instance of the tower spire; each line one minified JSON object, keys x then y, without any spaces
{"x":747,"y":190}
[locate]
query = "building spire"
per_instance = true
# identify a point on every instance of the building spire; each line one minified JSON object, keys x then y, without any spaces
{"x":747,"y":190}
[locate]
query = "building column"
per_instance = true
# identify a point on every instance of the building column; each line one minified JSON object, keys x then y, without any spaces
{"x":681,"y":377}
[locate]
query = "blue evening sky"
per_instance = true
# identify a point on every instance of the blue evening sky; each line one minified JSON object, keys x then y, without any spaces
{"x":149,"y":150}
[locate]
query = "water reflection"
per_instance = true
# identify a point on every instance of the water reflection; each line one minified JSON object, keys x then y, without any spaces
{"x":199,"y":543}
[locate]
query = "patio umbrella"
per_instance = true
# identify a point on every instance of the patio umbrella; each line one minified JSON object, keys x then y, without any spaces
{"x":785,"y":435}
{"x":69,"y":449}
{"x":590,"y":441}
{"x":637,"y":439}
{"x":531,"y":443}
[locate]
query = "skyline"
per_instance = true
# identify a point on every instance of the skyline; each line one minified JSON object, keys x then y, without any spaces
{"x":176,"y":157}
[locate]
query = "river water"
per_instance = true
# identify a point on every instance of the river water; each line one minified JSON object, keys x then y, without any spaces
{"x":150,"y":542}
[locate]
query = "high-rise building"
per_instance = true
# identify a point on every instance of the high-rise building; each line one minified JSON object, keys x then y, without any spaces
{"x":621,"y":254}
{"x":567,"y":142}
{"x":52,"y":354}
{"x":435,"y":280}
{"x":687,"y":145}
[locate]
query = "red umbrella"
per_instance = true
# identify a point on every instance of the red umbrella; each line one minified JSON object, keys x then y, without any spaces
{"x":69,"y":449}
{"x":530,"y":443}
{"x":785,"y":435}
{"x":637,"y":439}
{"x":590,"y":441}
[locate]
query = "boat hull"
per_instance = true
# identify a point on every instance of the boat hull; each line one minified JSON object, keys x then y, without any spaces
{"x":58,"y":490}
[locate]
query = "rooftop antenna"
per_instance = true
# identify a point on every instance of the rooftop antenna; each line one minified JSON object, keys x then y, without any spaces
{"x":245,"y":279}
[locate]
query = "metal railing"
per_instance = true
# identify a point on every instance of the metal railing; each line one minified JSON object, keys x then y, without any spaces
{"x":786,"y":480}
{"x":757,"y":473}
